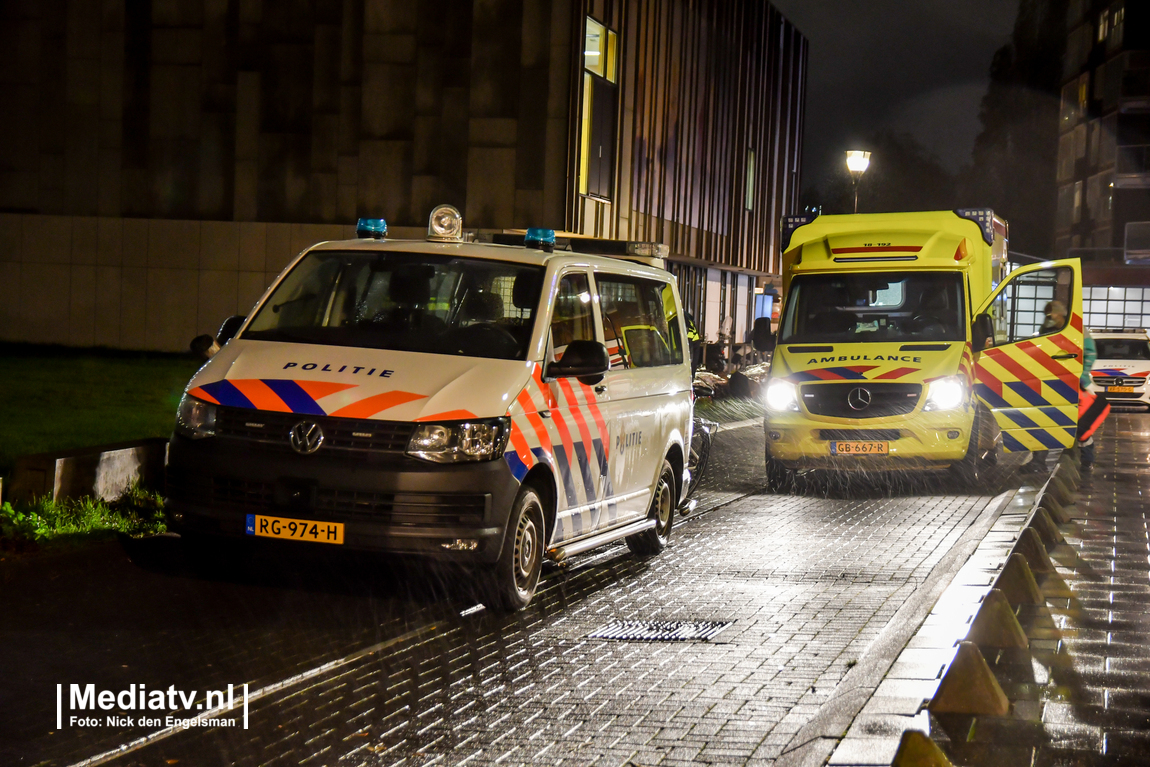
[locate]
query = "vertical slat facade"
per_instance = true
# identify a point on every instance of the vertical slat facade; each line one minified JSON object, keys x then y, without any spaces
{"x":702,"y":82}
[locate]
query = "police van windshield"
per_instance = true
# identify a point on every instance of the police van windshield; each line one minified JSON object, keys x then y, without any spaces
{"x":1122,"y":349}
{"x":876,"y":306}
{"x":412,"y":302}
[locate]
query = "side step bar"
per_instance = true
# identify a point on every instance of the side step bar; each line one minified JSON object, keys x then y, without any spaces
{"x":578,"y":547}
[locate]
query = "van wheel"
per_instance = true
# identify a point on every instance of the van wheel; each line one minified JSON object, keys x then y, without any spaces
{"x":974,"y":468}
{"x":662,"y":510}
{"x":780,"y":479}
{"x":515,"y":576}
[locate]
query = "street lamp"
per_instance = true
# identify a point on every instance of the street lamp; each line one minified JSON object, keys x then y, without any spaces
{"x":857,"y":163}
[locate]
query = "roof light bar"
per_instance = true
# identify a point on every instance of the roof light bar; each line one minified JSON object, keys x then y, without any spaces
{"x":791,"y":223}
{"x":540,"y":239}
{"x":984,"y":217}
{"x":371,"y":229}
{"x":445,"y":224}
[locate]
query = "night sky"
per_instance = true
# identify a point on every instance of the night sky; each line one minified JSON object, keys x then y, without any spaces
{"x":920,"y":66}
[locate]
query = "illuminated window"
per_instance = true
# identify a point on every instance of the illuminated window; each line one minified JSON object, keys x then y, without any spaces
{"x":600,"y":107}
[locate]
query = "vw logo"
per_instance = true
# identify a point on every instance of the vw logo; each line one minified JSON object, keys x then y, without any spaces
{"x":306,"y":437}
{"x":859,"y":398}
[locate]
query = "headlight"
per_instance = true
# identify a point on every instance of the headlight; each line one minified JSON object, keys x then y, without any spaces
{"x":454,"y":442}
{"x":782,"y":395}
{"x":945,"y":394}
{"x":195,"y":418}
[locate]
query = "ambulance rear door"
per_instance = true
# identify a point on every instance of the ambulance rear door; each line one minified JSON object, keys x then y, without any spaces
{"x":1027,"y":374}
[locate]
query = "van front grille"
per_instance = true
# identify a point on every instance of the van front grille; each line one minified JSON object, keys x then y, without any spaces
{"x":860,"y":399}
{"x":350,"y":434}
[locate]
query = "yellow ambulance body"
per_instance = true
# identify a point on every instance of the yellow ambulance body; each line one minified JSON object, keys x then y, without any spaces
{"x":903,"y":344}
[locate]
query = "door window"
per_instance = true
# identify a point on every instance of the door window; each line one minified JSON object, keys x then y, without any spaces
{"x":640,"y":321}
{"x":572,"y":318}
{"x":1033,"y":304}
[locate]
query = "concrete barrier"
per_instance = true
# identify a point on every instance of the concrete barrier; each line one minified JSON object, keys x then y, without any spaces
{"x":104,"y":471}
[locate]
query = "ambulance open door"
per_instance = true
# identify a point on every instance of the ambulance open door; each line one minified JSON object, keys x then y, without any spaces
{"x":1027,"y":369}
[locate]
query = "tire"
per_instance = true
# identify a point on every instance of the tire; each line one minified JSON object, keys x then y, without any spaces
{"x":780,"y":479}
{"x":662,"y":510}
{"x":514,"y":578}
{"x":973,"y":468}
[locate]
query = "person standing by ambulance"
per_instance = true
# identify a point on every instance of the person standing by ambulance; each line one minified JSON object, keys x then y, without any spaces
{"x":1092,"y":408}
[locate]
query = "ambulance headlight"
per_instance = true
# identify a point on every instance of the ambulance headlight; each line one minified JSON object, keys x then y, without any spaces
{"x":195,"y":418}
{"x":461,"y":441}
{"x":945,"y":394}
{"x":782,"y":396}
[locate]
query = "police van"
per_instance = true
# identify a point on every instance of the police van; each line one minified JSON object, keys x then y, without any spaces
{"x":1123,"y":365}
{"x":486,"y":403}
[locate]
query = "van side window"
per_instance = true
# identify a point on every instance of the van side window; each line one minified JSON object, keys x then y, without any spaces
{"x":1033,"y":304}
{"x":572,"y":318}
{"x":640,"y":321}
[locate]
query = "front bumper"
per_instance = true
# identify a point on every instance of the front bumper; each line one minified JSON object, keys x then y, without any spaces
{"x":916,"y":441}
{"x":392,"y":504}
{"x":1140,"y":396}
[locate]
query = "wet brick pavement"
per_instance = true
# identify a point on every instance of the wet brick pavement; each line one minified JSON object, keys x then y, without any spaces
{"x":808,"y":583}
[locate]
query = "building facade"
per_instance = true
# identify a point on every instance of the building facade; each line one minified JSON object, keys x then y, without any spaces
{"x":1103,"y":211}
{"x":161,"y":160}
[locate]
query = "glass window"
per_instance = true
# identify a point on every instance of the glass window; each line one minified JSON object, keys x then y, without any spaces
{"x":572,"y":319}
{"x":1122,"y":349}
{"x":1048,"y":313}
{"x":877,"y":306}
{"x":640,"y":321}
{"x":404,"y":301}
{"x":600,"y":108}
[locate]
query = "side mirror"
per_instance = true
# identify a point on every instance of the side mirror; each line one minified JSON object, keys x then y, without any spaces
{"x":982,"y":332}
{"x":702,"y":390}
{"x":229,"y":329}
{"x":582,"y":360}
{"x":762,"y":337}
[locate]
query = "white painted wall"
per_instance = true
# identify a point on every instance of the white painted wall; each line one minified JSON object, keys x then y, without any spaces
{"x":711,"y":328}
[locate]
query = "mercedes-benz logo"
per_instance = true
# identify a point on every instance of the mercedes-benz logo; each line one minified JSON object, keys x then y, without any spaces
{"x":306,"y":437}
{"x":859,"y":398}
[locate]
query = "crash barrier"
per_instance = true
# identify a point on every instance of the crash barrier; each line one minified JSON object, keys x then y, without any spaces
{"x":978,"y":611}
{"x":104,"y":471}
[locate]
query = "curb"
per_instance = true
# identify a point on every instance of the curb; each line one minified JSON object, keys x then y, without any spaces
{"x":977,"y":610}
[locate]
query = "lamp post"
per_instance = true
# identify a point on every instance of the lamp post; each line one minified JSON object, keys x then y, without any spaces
{"x":857,"y":163}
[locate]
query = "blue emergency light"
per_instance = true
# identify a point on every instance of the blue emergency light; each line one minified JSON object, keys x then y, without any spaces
{"x":984,"y":217}
{"x":371,"y":229}
{"x":540,"y":239}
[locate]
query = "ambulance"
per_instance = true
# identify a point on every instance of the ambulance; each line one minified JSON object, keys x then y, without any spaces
{"x":904,"y":344}
{"x":489,"y":404}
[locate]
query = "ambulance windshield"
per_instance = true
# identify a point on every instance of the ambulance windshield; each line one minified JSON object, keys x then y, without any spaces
{"x":875,"y":306}
{"x":413,"y":302}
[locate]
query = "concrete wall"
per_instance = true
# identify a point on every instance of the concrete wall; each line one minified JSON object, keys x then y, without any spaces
{"x":137,"y":283}
{"x":253,"y":110}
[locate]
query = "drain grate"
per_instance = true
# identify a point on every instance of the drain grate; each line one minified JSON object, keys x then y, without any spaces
{"x":660,"y":631}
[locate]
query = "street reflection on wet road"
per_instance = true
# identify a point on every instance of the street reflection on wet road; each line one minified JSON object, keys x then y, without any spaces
{"x":806,"y":581}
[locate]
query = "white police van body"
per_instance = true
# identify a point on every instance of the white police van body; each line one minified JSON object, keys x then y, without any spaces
{"x":1123,"y":365}
{"x":483,"y":403}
